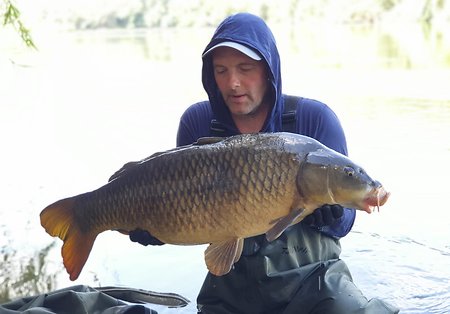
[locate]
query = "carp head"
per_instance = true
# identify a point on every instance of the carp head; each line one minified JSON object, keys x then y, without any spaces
{"x":328,"y":177}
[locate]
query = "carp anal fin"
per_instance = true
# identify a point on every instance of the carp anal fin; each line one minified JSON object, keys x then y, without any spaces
{"x":284,"y":222}
{"x":221,"y":256}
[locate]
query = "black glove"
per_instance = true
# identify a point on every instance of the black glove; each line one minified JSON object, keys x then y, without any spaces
{"x":144,"y":237}
{"x":324,"y":216}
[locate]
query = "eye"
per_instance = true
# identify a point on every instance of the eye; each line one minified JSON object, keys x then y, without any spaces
{"x":349,"y":171}
{"x":246,"y":67}
{"x":219,"y":69}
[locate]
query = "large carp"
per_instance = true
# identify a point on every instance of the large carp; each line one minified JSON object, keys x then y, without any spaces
{"x":217,"y":191}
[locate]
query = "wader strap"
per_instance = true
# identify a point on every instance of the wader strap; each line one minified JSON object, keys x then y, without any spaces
{"x":288,"y":118}
{"x":216,"y":129}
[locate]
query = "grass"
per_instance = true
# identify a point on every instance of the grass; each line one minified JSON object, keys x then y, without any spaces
{"x":20,"y":277}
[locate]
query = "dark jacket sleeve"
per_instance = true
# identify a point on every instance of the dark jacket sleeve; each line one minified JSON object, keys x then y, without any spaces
{"x":194,"y":123}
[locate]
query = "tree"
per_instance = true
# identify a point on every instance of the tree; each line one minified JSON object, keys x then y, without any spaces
{"x":11,"y":16}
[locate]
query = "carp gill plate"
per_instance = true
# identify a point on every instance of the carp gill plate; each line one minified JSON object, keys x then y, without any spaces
{"x":217,"y":191}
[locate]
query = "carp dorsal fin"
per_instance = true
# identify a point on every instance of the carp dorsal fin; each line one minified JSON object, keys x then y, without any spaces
{"x":123,"y":231}
{"x":124,"y":168}
{"x":132,"y":164}
{"x":282,"y":223}
{"x":209,"y":140}
{"x":221,"y":256}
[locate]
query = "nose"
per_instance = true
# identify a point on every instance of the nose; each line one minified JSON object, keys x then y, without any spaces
{"x":234,"y":81}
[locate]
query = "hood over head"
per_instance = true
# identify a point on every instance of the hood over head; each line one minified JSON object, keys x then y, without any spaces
{"x":250,"y":35}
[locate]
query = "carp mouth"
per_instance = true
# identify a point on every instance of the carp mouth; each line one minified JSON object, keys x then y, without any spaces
{"x":376,"y":198}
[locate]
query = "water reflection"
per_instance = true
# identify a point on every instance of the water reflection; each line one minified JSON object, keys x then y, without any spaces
{"x":402,"y":46}
{"x":326,"y":46}
{"x":414,"y":46}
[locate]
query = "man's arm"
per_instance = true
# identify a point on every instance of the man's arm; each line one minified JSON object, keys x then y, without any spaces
{"x":194,"y":123}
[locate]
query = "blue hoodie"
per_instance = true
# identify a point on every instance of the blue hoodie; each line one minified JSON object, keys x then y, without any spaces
{"x":313,"y":118}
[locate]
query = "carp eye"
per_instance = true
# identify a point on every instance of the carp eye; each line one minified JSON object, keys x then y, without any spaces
{"x":349,"y":171}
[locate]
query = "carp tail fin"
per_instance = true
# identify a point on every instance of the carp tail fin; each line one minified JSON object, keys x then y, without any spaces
{"x":221,"y":256}
{"x":58,"y":221}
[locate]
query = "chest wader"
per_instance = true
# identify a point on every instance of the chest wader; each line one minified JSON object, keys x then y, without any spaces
{"x":300,"y":272}
{"x":288,"y":118}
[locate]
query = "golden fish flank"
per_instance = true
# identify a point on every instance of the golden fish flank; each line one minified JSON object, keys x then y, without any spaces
{"x":216,"y":191}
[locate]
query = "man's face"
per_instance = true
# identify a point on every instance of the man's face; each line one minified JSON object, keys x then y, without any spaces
{"x":242,"y":81}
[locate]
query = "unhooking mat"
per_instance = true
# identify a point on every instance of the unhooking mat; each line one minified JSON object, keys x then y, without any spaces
{"x":83,"y":299}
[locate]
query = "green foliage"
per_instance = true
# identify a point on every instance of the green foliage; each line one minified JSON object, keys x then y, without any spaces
{"x":388,"y":4}
{"x":207,"y":13}
{"x":96,"y":14}
{"x":21,"y":277}
{"x":11,"y":16}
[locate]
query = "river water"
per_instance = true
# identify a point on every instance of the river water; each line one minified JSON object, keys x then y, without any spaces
{"x":87,"y":102}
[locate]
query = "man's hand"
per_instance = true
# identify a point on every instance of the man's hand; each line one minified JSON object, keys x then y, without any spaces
{"x":326,"y":215}
{"x":144,"y":237}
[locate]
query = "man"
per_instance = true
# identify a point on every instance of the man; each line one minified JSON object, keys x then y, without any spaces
{"x":300,"y":272}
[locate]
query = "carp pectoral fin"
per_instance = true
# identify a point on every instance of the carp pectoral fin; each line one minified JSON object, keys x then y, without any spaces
{"x":284,"y":222}
{"x":221,"y":256}
{"x":57,"y":219}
